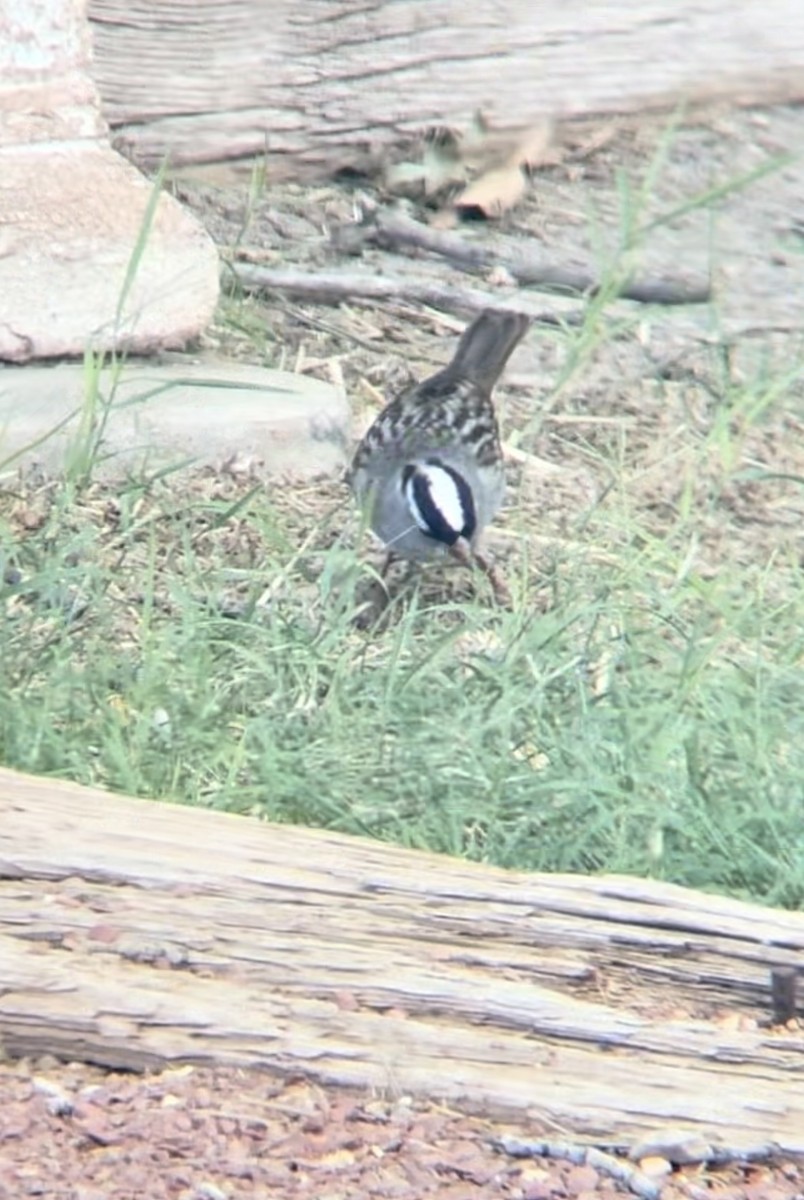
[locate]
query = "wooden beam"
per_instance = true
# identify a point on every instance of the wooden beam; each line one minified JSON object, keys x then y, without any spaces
{"x":134,"y":934}
{"x":317,"y":86}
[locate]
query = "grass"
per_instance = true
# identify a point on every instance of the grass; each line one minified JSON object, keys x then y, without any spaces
{"x":640,"y":709}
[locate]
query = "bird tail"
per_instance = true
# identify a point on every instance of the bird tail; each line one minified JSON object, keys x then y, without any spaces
{"x":485,"y":347}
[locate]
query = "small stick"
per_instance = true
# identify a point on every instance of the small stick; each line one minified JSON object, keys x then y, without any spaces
{"x":606,"y":1164}
{"x":334,"y":286}
{"x":377,"y":598}
{"x":522,"y":263}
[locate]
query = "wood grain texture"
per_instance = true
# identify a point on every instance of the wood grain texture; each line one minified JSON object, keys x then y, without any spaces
{"x":317,"y":84}
{"x":135,"y":934}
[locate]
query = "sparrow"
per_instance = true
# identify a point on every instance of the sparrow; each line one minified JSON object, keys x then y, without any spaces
{"x":429,"y":472}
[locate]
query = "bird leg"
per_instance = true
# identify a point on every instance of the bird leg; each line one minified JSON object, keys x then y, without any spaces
{"x":465,"y":554}
{"x":378,"y":595}
{"x":377,"y":599}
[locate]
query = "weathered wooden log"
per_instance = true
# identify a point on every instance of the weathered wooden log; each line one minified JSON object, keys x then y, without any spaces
{"x":134,"y":934}
{"x":317,"y":85}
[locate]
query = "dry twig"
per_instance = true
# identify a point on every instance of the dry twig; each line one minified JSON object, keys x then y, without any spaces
{"x":334,"y":286}
{"x":393,"y":230}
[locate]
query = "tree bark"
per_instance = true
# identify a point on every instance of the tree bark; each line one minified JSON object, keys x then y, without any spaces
{"x":134,"y":934}
{"x":317,"y":85}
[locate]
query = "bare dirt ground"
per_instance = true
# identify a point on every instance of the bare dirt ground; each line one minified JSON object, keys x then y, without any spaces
{"x":76,"y":1133}
{"x":647,"y":393}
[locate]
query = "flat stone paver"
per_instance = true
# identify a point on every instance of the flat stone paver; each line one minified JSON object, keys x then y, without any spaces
{"x":211,"y":412}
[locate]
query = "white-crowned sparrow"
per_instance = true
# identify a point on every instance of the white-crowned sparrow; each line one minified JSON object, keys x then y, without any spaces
{"x":429,"y":472}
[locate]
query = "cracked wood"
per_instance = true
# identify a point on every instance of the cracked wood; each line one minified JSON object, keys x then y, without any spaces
{"x":134,"y":934}
{"x":318,"y":86}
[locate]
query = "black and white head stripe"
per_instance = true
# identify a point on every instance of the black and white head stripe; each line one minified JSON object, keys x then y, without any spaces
{"x":440,"y":501}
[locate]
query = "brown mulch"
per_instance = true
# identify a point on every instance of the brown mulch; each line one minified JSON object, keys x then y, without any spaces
{"x":75,"y":1132}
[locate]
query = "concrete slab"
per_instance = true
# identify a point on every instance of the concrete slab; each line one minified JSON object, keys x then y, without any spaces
{"x":212,"y":412}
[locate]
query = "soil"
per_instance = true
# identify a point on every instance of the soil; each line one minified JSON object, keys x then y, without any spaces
{"x":648,"y":386}
{"x":73,"y":1132}
{"x":648,"y":393}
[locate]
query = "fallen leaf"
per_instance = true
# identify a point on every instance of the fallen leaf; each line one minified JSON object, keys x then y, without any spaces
{"x":533,"y":148}
{"x":485,"y":149}
{"x":506,"y":159}
{"x":501,"y":159}
{"x":492,"y":194}
{"x":440,"y":167}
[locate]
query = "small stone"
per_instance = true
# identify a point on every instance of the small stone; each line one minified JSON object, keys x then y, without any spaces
{"x":677,"y":1145}
{"x":581,"y":1179}
{"x":210,"y":1191}
{"x":57,"y":1102}
{"x":539,"y":1189}
{"x":655,"y":1166}
{"x":764,"y":1191}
